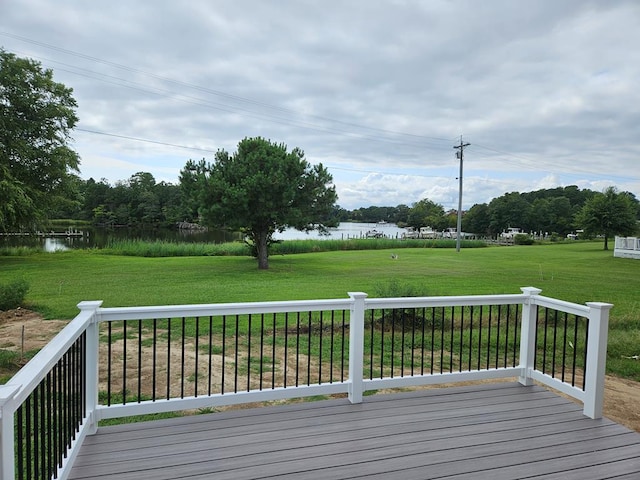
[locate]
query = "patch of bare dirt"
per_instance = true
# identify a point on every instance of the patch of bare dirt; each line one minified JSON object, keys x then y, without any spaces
{"x":622,"y":401}
{"x":23,"y":331}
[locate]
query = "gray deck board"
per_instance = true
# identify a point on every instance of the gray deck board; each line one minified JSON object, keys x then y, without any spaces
{"x":492,"y":431}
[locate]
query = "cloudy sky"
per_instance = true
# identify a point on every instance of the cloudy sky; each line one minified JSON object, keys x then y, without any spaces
{"x":546,"y":92}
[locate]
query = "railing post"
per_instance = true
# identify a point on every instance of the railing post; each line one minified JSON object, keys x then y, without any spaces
{"x":356,"y":346}
{"x":93,"y":338}
{"x":528,"y":334}
{"x":596,"y":358}
{"x":7,"y":434}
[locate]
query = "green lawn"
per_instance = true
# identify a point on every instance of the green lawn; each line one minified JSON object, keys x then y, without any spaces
{"x":577,"y":272}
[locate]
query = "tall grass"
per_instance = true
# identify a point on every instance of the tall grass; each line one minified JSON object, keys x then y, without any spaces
{"x":164,"y":248}
{"x":161,"y":248}
{"x":309,"y":246}
{"x":19,"y":251}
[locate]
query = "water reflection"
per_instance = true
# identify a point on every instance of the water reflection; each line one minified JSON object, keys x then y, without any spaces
{"x":102,"y":237}
{"x":346,"y":231}
{"x":55,"y":244}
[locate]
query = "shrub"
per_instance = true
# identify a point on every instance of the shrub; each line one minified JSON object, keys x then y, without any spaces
{"x":523,"y":239}
{"x":403,"y":317}
{"x":395,"y":288}
{"x":12,"y":294}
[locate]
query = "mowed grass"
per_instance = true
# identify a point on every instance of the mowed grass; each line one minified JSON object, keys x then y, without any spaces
{"x":577,"y":272}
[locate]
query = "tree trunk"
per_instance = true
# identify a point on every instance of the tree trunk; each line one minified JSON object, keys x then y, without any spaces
{"x":606,"y":242}
{"x":262,"y":251}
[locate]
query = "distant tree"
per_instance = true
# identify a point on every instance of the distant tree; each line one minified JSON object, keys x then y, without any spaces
{"x":36,"y":161}
{"x":451,"y":217}
{"x":95,"y":196}
{"x":337,"y":215}
{"x":476,"y":220}
{"x":401,"y":214}
{"x":374,"y":214}
{"x":144,"y":204}
{"x":427,"y":213}
{"x":260,"y":189}
{"x":138,"y":201}
{"x":561,"y":214}
{"x":68,"y":204}
{"x":509,"y":210}
{"x":172,"y":205}
{"x":102,"y":216}
{"x":551,"y":215}
{"x":609,"y":213}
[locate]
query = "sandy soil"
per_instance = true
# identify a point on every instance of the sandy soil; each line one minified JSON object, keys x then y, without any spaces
{"x":22,"y":330}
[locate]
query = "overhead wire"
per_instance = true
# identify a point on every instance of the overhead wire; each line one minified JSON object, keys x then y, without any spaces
{"x":155,"y":142}
{"x":185,"y":147}
{"x":415,"y":137}
{"x":235,"y":109}
{"x":246,"y":107}
{"x":535,"y":164}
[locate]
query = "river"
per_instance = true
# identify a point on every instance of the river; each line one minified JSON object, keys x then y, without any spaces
{"x":90,"y":237}
{"x":345,"y":231}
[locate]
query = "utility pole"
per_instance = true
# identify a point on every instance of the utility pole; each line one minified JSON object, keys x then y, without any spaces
{"x":460,"y":155}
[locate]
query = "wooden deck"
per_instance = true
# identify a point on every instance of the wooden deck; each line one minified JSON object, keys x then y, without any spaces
{"x":497,"y":431}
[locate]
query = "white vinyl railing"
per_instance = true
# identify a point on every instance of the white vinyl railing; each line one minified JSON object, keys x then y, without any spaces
{"x":303,"y":348}
{"x":627,"y":247}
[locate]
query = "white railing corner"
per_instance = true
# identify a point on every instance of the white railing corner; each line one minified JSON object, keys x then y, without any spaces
{"x":7,"y":446}
{"x":528,"y":334}
{"x":596,"y":358}
{"x":356,"y":346}
{"x":93,"y":338}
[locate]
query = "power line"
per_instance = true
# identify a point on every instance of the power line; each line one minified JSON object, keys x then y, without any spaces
{"x":95,"y":132}
{"x":272,"y":113}
{"x":185,"y":147}
{"x":300,"y":123}
{"x":534,"y":164}
{"x":246,"y":100}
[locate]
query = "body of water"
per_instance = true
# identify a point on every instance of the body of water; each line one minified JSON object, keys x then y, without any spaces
{"x":346,"y":231}
{"x":99,"y":237}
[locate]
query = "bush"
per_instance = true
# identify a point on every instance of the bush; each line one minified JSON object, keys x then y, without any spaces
{"x":403,"y":317}
{"x":394,"y":288}
{"x":12,"y":294}
{"x":523,"y":239}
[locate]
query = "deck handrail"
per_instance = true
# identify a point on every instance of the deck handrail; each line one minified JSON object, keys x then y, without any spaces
{"x":627,"y":247}
{"x":92,"y":314}
{"x":627,"y":243}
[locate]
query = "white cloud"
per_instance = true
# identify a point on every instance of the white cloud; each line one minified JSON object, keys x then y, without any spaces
{"x":545,"y":92}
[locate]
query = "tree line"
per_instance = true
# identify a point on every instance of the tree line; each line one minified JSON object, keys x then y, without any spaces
{"x":554,"y":211}
{"x":140,"y":201}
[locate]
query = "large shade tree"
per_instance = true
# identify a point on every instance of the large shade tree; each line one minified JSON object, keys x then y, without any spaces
{"x":37,"y":115}
{"x":261,"y":189}
{"x":609,"y":213}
